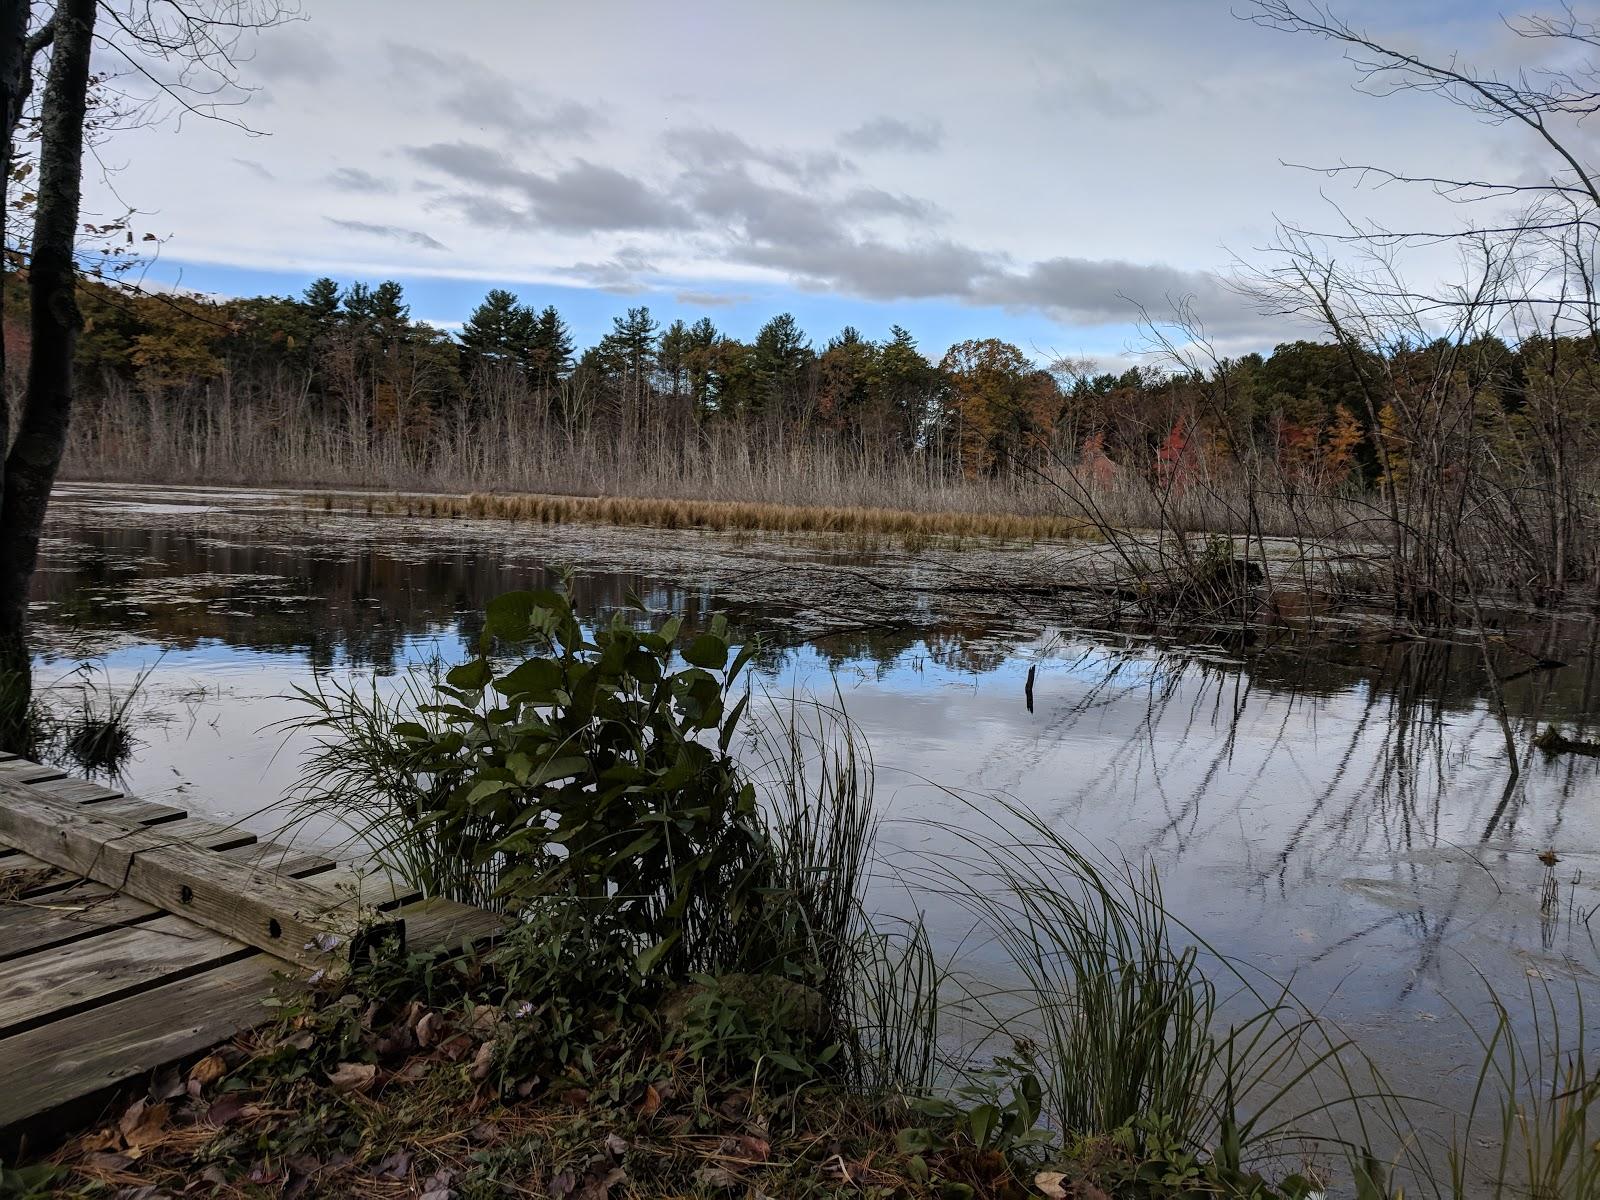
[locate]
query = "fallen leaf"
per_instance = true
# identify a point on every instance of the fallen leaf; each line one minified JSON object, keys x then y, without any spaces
{"x":101,"y":1139}
{"x":208,"y":1070}
{"x":395,"y":1166}
{"x":428,"y":1028}
{"x":483,"y":1062}
{"x":717,"y":1177}
{"x":561,"y":1185}
{"x":1051,"y":1184}
{"x":226,"y":1109}
{"x":437,"y":1186}
{"x":352,"y":1077}
{"x":616,"y":1146}
{"x":651,"y":1104}
{"x":455,"y":1049}
{"x":141,"y":1126}
{"x":165,"y":1085}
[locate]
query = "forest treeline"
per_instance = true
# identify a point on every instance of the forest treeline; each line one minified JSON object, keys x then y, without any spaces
{"x":342,"y":385}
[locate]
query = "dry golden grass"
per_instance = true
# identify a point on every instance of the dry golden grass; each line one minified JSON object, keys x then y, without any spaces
{"x":722,"y":515}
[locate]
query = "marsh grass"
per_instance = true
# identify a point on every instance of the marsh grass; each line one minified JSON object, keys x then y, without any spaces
{"x":84,"y":721}
{"x":1538,"y":1094}
{"x":363,"y":775}
{"x":1133,"y":1039}
{"x":914,"y":529}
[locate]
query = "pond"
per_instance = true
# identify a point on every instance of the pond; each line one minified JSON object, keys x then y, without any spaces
{"x":1330,"y":809}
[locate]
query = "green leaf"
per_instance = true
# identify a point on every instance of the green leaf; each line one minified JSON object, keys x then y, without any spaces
{"x":732,"y":723}
{"x":981,"y":1121}
{"x":649,"y":958}
{"x":558,"y":768}
{"x":708,"y":651}
{"x":535,"y":680}
{"x":473,"y":675}
{"x":488,"y":787}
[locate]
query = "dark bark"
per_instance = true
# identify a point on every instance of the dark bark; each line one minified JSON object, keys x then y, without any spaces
{"x":41,"y":434}
{"x":15,"y":82}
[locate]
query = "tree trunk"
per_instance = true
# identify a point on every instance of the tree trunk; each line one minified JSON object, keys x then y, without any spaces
{"x":41,"y":435}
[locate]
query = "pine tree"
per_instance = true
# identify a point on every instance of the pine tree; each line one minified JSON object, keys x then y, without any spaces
{"x":550,"y":348}
{"x":490,"y":333}
{"x":782,"y":353}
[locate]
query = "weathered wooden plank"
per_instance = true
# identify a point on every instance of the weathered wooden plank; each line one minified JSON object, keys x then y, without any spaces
{"x":78,"y":1056}
{"x":287,"y":918}
{"x":139,"y":812}
{"x":50,"y":984}
{"x":24,"y":875}
{"x":439,"y":924}
{"x":83,"y":910}
{"x":86,"y":909}
{"x":230,"y":843}
{"x":142,"y":812}
{"x":369,"y":887}
{"x":20,"y":770}
{"x":79,"y":791}
{"x":191,"y":831}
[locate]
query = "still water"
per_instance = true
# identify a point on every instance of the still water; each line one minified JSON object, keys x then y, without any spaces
{"x":1330,"y":810}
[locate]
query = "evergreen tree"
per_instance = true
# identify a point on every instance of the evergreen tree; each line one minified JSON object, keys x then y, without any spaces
{"x":782,"y":354}
{"x":495,"y":332}
{"x":549,"y":354}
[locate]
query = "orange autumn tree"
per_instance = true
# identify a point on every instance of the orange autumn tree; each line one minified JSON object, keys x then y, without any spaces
{"x":997,"y":404}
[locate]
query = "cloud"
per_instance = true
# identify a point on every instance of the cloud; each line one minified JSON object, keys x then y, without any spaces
{"x":581,"y":198}
{"x":489,"y":100}
{"x":411,"y":237}
{"x":292,"y":54}
{"x":708,"y":148}
{"x":621,"y":273}
{"x":354,"y":179}
{"x":822,"y":239}
{"x":696,"y":299}
{"x":872,"y":201}
{"x":891,"y":133}
{"x":876,"y":269}
{"x":1086,"y":291}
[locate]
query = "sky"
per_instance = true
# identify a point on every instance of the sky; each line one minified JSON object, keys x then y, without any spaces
{"x":1029,"y":171}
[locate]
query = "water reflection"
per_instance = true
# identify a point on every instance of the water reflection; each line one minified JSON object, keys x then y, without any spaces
{"x":1331,"y":808}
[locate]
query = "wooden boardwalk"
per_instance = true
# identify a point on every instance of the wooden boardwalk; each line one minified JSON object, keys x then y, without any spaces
{"x":133,"y":935}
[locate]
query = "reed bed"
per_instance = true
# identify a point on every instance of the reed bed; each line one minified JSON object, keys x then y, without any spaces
{"x":735,"y":515}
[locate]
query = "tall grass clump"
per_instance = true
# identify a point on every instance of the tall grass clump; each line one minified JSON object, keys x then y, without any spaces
{"x":1141,"y":1057}
{"x":79,"y":720}
{"x":1535,"y":1108}
{"x":816,"y":781}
